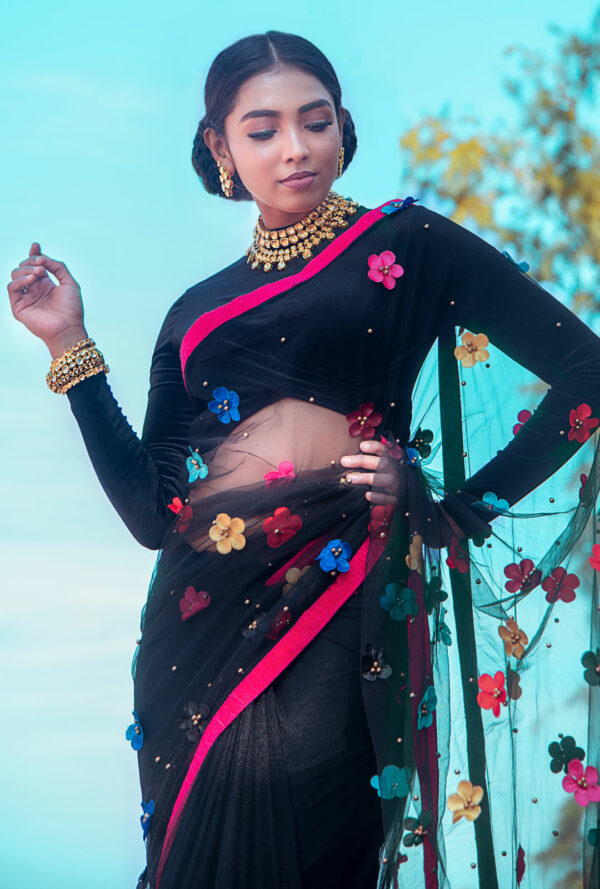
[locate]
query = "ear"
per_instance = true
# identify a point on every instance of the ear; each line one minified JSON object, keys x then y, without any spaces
{"x":342,"y":120}
{"x":218,"y":148}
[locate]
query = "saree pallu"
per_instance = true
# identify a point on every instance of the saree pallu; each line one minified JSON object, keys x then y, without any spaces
{"x":395,"y":694}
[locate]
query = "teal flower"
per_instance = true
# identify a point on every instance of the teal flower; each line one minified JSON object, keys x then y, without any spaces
{"x":394,"y":206}
{"x":392,"y":782}
{"x":490,"y":503}
{"x":443,"y":632}
{"x":399,"y":602}
{"x":426,"y":708}
{"x":196,"y":467}
{"x":522,"y":266}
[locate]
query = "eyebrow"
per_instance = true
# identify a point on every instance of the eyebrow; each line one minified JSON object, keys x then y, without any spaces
{"x":266,"y":112}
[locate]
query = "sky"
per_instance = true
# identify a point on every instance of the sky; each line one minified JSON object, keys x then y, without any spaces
{"x":99,"y":107}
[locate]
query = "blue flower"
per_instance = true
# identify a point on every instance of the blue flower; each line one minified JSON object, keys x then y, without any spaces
{"x":225,"y":404}
{"x":522,"y":266}
{"x":148,"y":812}
{"x":399,"y":602}
{"x":490,"y":503}
{"x":196,"y":467}
{"x":442,"y":631}
{"x":426,"y":708}
{"x":135,"y":733}
{"x":334,"y":556}
{"x":412,"y":456}
{"x":392,"y":782}
{"x":394,"y":206}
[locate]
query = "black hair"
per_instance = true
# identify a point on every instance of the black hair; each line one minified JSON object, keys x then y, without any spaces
{"x":236,"y":64}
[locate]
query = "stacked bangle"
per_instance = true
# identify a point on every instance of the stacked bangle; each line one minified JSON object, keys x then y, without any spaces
{"x":81,"y":361}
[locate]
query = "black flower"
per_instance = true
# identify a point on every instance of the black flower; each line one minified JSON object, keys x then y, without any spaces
{"x":418,"y":829}
{"x":434,"y":594}
{"x":373,"y":665}
{"x":257,"y":627}
{"x":421,"y":440}
{"x":195,"y":720}
{"x":562,"y":752}
{"x":592,"y":663}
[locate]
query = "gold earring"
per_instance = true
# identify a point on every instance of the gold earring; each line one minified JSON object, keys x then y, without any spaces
{"x":340,"y":160}
{"x":226,"y":180}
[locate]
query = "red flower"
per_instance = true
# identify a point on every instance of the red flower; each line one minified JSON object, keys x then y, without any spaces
{"x":582,"y":423}
{"x":560,"y":585}
{"x":583,"y":479}
{"x":457,"y":558}
{"x":522,"y":417}
{"x":393,"y":447}
{"x":522,"y":576}
{"x":283,"y":473}
{"x":493,"y":692}
{"x":282,"y":620}
{"x":379,"y":526}
{"x":384,"y":269}
{"x":175,"y":505}
{"x":184,"y":519}
{"x":363,"y":421}
{"x":583,"y":784}
{"x":595,"y":557}
{"x":193,"y":602}
{"x":520,"y":864}
{"x":281,"y":526}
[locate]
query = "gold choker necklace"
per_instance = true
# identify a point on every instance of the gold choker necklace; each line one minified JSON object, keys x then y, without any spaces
{"x":274,"y":248}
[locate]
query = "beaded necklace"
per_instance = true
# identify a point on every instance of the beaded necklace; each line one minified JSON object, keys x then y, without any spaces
{"x":274,"y":248}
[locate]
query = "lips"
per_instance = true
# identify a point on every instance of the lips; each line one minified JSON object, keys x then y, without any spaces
{"x":305,"y":174}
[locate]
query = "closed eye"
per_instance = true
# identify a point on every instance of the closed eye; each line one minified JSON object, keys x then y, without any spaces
{"x":316,"y":127}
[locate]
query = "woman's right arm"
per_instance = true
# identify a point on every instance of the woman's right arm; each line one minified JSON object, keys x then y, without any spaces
{"x":139,"y":475}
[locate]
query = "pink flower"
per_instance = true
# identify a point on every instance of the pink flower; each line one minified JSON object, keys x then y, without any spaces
{"x":522,"y":576}
{"x":283,"y":473}
{"x":582,"y":423}
{"x":522,"y":417}
{"x":583,"y":784}
{"x":457,"y":558}
{"x":193,"y":602}
{"x":560,"y":585}
{"x":595,"y":557}
{"x":493,"y":692}
{"x":363,"y":421}
{"x":384,"y":268}
{"x":381,"y":516}
{"x":281,"y":526}
{"x":583,"y":479}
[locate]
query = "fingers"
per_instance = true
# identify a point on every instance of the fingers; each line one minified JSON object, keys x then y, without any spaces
{"x":369,"y":459}
{"x":58,"y":269}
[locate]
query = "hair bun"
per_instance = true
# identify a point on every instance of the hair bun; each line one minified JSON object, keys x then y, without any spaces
{"x":349,"y":140}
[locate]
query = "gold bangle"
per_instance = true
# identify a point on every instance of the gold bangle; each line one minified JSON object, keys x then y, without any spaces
{"x":76,"y":363}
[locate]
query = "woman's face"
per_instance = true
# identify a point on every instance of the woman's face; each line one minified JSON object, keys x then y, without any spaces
{"x":283,"y":122}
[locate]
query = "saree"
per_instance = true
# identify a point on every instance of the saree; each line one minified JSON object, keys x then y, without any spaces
{"x":397,"y":692}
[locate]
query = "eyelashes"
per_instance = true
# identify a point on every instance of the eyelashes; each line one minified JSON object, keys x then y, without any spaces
{"x":317,"y":127}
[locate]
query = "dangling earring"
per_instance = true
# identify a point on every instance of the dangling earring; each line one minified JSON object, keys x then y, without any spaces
{"x":340,"y":160}
{"x":226,"y":180}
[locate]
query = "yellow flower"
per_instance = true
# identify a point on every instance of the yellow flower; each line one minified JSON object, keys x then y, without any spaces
{"x":414,"y":559}
{"x":514,"y":639}
{"x":228,"y":533}
{"x":466,"y":802}
{"x":473,"y":349}
{"x":292,"y":575}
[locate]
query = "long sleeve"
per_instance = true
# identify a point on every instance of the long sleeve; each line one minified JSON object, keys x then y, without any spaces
{"x":473,"y":285}
{"x":140,"y":475}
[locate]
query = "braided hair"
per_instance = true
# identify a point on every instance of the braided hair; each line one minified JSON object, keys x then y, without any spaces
{"x":236,"y":64}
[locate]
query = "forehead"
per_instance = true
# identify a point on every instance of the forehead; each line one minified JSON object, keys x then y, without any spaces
{"x":283,"y":89}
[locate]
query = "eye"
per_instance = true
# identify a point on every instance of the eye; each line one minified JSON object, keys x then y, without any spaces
{"x":262,"y":134}
{"x":319,"y":125}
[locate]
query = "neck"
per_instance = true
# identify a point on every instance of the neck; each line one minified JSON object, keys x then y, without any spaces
{"x":274,"y":218}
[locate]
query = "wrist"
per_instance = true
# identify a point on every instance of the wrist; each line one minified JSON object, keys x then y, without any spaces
{"x":66,"y":339}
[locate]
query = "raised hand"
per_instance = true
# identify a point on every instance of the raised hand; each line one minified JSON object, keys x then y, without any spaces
{"x":369,"y":461}
{"x":52,"y":312}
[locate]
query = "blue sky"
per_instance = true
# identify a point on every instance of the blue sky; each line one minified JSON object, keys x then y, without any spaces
{"x":99,"y":109}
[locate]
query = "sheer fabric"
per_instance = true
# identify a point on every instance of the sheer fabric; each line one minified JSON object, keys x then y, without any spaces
{"x":318,"y":676}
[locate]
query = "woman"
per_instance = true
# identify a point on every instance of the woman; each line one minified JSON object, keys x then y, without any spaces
{"x":342,"y":679}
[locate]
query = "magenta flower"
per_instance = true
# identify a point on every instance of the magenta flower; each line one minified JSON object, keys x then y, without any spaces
{"x":283,"y":473}
{"x":582,"y":423}
{"x":594,"y":559}
{"x":522,"y":417}
{"x":522,"y":576}
{"x":193,"y":602}
{"x":583,"y":480}
{"x":457,"y":557}
{"x":363,"y":421}
{"x":584,"y":784}
{"x":560,"y":585}
{"x":384,"y":269}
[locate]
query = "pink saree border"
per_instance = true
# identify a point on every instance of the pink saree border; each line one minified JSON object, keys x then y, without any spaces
{"x":308,"y":625}
{"x":209,"y":321}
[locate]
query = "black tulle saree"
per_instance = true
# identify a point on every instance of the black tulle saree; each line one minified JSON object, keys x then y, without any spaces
{"x":342,"y":693}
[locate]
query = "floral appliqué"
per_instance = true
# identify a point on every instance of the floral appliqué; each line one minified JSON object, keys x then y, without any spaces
{"x":372,"y":664}
{"x":562,"y":752}
{"x":522,"y":577}
{"x":522,"y":417}
{"x":383,"y":269}
{"x":421,"y":440}
{"x":582,"y":423}
{"x":493,"y":692}
{"x":465,"y":802}
{"x":560,"y":585}
{"x":427,"y":708}
{"x":381,"y":516}
{"x":594,"y":559}
{"x":225,"y":404}
{"x":184,"y":513}
{"x":281,"y":526}
{"x":473,"y":349}
{"x":283,"y":474}
{"x":134,"y":733}
{"x":192,"y":602}
{"x":392,"y":782}
{"x":591,"y":662}
{"x":583,"y":783}
{"x":457,"y":557}
{"x":196,"y":467}
{"x":364,"y":420}
{"x":195,"y":719}
{"x":147,"y":813}
{"x":227,"y":533}
{"x":514,"y":639}
{"x":399,"y":602}
{"x":394,"y":206}
{"x":334,"y":556}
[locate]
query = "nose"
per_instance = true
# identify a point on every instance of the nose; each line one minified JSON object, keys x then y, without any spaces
{"x":294,"y":147}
